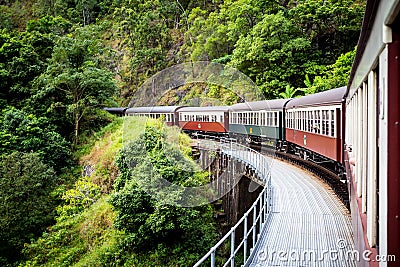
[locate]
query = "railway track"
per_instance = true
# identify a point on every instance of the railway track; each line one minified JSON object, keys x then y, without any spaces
{"x":329,"y":177}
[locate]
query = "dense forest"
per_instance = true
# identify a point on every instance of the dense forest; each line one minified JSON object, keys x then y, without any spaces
{"x":62,"y":61}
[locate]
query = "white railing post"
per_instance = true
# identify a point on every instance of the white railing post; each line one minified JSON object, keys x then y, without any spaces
{"x":245,"y":239}
{"x":233,"y":248}
{"x":265,"y":205}
{"x":254,"y":224}
{"x":213,"y":258}
{"x":261,"y":219}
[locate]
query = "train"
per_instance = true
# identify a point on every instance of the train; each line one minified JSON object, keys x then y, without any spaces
{"x":372,"y":136}
{"x":309,"y":126}
{"x":354,"y":130}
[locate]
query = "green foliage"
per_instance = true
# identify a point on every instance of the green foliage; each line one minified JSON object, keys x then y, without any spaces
{"x":143,"y":28}
{"x":49,"y":25}
{"x":289,"y":92}
{"x":84,"y":239}
{"x":26,"y":203}
{"x":274,"y":54}
{"x":24,"y":132}
{"x":89,"y":233}
{"x":331,"y":26}
{"x":20,"y":63}
{"x":150,"y":223}
{"x":76,"y":73}
{"x":214,"y":35}
{"x":337,"y":74}
{"x":82,"y":196}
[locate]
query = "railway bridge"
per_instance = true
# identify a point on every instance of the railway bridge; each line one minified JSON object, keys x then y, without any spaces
{"x":296,"y":220}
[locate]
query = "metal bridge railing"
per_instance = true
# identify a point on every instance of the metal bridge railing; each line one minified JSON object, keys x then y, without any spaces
{"x":244,"y":235}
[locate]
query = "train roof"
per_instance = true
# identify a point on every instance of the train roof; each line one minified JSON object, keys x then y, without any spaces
{"x":207,"y":108}
{"x":260,"y":105}
{"x":116,"y":110}
{"x":333,"y":96}
{"x":155,"y":109}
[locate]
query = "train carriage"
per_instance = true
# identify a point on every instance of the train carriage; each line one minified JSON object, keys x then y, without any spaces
{"x":204,"y":119}
{"x":373,"y":135}
{"x":314,"y":125}
{"x":261,"y":121}
{"x":169,"y":113}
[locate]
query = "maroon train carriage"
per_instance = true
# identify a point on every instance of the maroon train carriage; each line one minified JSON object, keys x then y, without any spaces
{"x":373,"y":136}
{"x":204,"y":119}
{"x":314,"y":123}
{"x":169,"y":113}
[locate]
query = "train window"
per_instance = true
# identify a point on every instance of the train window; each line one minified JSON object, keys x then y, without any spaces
{"x":287,"y":119}
{"x":326,"y":122}
{"x":262,"y":118}
{"x":291,"y":120}
{"x":221,"y":118}
{"x":332,"y":133}
{"x":299,"y":118}
{"x":272,"y":119}
{"x":315,"y":122}
{"x":269,"y":119}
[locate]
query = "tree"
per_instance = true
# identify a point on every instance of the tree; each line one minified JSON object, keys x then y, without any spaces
{"x":149,"y":222}
{"x":75,"y":71}
{"x":336,"y":75}
{"x":26,"y":203}
{"x":24,"y":132}
{"x":214,"y":35}
{"x":289,"y":92}
{"x":332,"y":27}
{"x":274,"y":54}
{"x":19,"y":65}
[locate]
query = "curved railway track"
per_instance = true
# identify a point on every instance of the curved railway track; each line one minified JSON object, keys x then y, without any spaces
{"x":329,"y":177}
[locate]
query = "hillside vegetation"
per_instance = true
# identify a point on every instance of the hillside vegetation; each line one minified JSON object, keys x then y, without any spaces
{"x":61,"y":61}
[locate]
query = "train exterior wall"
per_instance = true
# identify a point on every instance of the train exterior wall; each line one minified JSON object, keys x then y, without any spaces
{"x":215,"y":127}
{"x":324,"y":145}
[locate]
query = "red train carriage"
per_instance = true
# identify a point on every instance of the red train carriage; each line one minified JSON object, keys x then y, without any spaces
{"x":314,"y":124}
{"x":169,"y":113}
{"x":373,"y":136}
{"x":204,"y":119}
